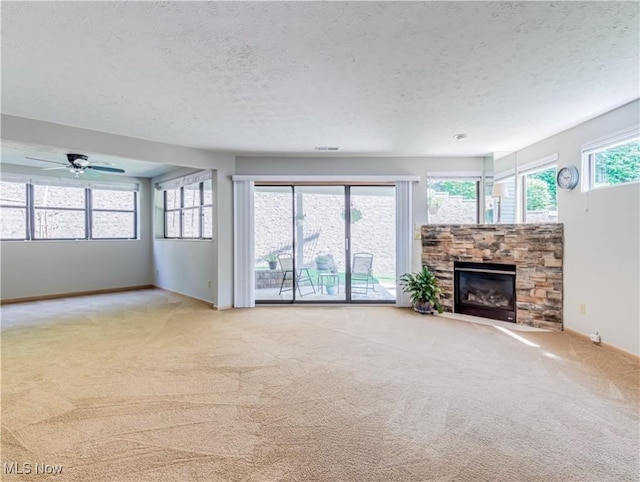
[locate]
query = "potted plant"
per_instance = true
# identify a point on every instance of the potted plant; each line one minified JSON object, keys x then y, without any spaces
{"x":434,"y":204}
{"x":323,"y":262}
{"x":424,"y":290}
{"x":355,"y":214}
{"x":330,"y":285}
{"x":272,"y":260}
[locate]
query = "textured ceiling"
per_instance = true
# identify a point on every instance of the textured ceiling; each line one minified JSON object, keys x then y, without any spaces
{"x":393,"y":78}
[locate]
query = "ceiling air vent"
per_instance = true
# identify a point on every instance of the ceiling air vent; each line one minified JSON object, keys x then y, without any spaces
{"x":325,"y":148}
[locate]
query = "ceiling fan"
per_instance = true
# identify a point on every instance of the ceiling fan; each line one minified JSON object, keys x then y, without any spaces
{"x":78,"y":163}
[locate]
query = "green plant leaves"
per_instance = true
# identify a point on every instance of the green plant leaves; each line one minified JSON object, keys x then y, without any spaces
{"x":422,"y":287}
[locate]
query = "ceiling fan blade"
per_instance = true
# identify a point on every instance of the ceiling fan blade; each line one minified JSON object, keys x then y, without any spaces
{"x":54,"y":168}
{"x":106,"y":169}
{"x":44,"y":160}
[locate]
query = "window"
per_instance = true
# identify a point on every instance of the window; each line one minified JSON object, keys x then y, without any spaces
{"x":191,"y":215}
{"x":504,"y":207}
{"x":539,"y":196}
{"x":13,"y":210}
{"x":40,"y":209}
{"x":207,"y":209}
{"x":188,"y":211}
{"x":453,"y":200}
{"x":59,"y":212}
{"x":113,"y":214}
{"x":615,"y":160}
{"x":172,"y":204}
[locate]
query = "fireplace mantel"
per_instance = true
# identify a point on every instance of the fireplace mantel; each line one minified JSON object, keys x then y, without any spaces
{"x":535,"y":249}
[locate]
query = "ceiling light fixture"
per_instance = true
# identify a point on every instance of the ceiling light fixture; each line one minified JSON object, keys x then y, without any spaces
{"x":460,"y":137}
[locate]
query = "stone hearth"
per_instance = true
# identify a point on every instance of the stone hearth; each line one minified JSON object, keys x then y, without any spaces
{"x":535,"y":249}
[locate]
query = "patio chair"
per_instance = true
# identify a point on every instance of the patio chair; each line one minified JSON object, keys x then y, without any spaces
{"x":297,"y":276}
{"x":362,"y":272}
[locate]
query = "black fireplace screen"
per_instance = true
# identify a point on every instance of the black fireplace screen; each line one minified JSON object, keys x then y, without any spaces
{"x":485,"y":289}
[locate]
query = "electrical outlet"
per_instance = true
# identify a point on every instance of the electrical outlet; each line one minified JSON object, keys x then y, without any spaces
{"x":209,"y":283}
{"x":583,"y":309}
{"x":595,"y":337}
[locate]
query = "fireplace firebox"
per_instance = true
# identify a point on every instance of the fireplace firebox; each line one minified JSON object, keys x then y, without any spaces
{"x":485,"y":289}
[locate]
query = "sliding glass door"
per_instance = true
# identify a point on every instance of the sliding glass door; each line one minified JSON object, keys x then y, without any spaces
{"x":325,"y":244}
{"x":372,"y":237}
{"x":273,"y":209}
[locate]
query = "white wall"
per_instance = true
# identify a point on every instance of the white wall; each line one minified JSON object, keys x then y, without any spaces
{"x":602,"y":238}
{"x":28,"y":131}
{"x":223,"y":235}
{"x":321,"y":165}
{"x":39,"y":268}
{"x":185,"y":266}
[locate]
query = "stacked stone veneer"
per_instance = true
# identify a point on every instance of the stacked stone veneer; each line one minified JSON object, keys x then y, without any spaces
{"x":270,"y":278}
{"x":535,"y":249}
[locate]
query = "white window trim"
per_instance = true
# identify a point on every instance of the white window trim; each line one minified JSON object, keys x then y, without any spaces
{"x":455,"y":175}
{"x":538,"y":165}
{"x":328,"y":178}
{"x":176,"y":182}
{"x":502,"y":175}
{"x":65,"y":182}
{"x":244,"y":231}
{"x":88,"y":209}
{"x":619,"y":136}
{"x":606,"y":142}
{"x":533,"y":167}
{"x":198,"y":178}
{"x":475,"y":176}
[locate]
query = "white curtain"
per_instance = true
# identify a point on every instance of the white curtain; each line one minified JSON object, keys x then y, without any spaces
{"x":244,"y":295}
{"x":404,"y":190}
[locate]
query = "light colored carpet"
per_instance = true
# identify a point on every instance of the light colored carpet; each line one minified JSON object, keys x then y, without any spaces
{"x":151,"y":386}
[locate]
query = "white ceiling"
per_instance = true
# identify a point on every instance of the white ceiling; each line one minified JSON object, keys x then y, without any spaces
{"x":392,"y":78}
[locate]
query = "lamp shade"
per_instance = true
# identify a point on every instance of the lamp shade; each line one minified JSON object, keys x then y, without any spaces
{"x":500,"y":190}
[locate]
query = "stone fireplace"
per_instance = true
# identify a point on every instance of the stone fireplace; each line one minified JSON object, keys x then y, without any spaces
{"x":531,"y":252}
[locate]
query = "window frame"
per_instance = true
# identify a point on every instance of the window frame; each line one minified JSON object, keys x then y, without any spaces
{"x":206,"y":206}
{"x":35,"y":208}
{"x":590,"y":150}
{"x":25,"y":207}
{"x":533,"y":168}
{"x":508,"y":177}
{"x":182,"y":210}
{"x":87,"y":209}
{"x":93,"y":210}
{"x":436,"y":177}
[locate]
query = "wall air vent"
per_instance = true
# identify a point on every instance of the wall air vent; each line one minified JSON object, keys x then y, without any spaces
{"x":325,"y":148}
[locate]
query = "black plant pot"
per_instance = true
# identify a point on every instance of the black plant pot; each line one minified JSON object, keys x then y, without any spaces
{"x":273,"y":264}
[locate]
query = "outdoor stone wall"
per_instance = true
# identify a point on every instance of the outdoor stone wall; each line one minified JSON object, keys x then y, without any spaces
{"x":323,"y":229}
{"x":542,"y":216}
{"x":452,"y":209}
{"x":535,"y":249}
{"x":270,"y":278}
